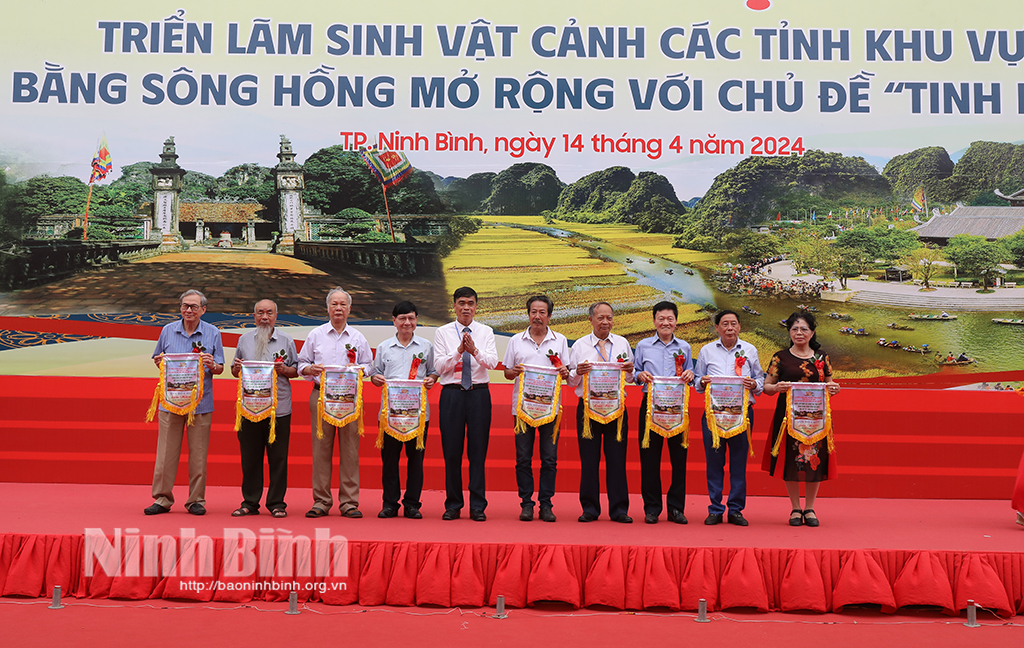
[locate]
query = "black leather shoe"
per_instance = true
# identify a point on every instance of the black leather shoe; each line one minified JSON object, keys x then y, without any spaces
{"x":651,"y":518}
{"x":622,"y":519}
{"x":388,"y":512}
{"x":675,"y":515}
{"x":412,"y":513}
{"x":196,"y":509}
{"x":155,"y":509}
{"x":587,"y":517}
{"x":713,"y":519}
{"x":811,"y":521}
{"x":527,"y":513}
{"x":353,"y":513}
{"x":738,"y":519}
{"x":477,"y":515}
{"x":451,"y":514}
{"x":547,"y":514}
{"x":796,"y":517}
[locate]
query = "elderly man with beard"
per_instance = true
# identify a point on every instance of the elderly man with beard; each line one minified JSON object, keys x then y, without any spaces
{"x":266,"y":344}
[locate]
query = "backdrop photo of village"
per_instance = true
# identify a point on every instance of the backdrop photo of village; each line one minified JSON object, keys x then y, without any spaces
{"x":910,"y":269}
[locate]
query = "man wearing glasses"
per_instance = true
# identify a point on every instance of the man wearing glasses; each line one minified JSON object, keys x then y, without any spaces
{"x":190,"y":334}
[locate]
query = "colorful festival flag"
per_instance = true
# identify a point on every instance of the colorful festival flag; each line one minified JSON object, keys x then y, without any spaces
{"x":390,"y":167}
{"x":919,"y":199}
{"x":102,"y":164}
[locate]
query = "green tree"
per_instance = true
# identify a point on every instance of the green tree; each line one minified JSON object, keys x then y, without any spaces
{"x":895,"y":243}
{"x":853,"y":263}
{"x":802,"y":251}
{"x":13,"y":223}
{"x":46,"y":196}
{"x":1015,"y":246}
{"x":924,"y":264}
{"x":755,"y":247}
{"x":975,"y":256}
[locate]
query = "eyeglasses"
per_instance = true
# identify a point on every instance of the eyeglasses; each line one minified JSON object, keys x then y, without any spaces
{"x":191,"y":307}
{"x":800,"y":329}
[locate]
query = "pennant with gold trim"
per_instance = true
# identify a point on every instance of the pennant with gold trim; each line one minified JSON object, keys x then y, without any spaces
{"x":808,"y":416}
{"x":180,"y":387}
{"x":403,"y":411}
{"x":257,"y":395}
{"x":725,"y":403}
{"x":668,"y":413}
{"x":604,"y":396}
{"x":341,"y":397}
{"x":538,"y":398}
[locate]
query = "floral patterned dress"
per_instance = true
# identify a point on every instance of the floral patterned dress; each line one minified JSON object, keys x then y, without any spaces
{"x":800,"y":462}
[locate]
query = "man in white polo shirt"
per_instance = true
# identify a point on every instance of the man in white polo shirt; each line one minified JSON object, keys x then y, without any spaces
{"x":329,"y":344}
{"x":728,"y":356}
{"x":536,"y":346}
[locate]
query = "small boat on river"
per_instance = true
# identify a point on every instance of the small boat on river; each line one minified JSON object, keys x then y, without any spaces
{"x":891,"y":344}
{"x":944,"y":317}
{"x":806,"y":308}
{"x":899,"y":327}
{"x":955,"y":362}
{"x":923,"y":349}
{"x":669,"y":271}
{"x":849,"y":330}
{"x":750,"y":310}
{"x":1001,"y":320}
{"x":841,"y":316}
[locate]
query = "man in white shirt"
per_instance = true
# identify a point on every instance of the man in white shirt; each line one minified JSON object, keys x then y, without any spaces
{"x":329,"y":344}
{"x":463,"y":352}
{"x":536,"y":346}
{"x":728,"y":356}
{"x":601,"y":346}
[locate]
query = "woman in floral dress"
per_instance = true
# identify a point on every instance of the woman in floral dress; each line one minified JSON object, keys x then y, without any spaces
{"x":797,"y":462}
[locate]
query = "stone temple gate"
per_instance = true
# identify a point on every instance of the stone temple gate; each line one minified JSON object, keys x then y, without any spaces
{"x":200,"y":221}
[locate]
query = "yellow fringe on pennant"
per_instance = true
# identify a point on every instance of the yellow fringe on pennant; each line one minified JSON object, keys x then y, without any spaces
{"x":241,"y":411}
{"x":787,"y":427}
{"x":382,"y":422}
{"x":160,"y":399}
{"x":683,"y":428}
{"x":523,"y":419}
{"x":356,"y":415}
{"x":608,"y":418}
{"x":717,"y":433}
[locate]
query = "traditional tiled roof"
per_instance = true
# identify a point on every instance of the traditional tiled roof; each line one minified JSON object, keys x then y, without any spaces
{"x":990,"y":222}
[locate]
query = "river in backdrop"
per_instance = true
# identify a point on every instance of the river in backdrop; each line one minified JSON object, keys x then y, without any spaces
{"x":996,"y":347}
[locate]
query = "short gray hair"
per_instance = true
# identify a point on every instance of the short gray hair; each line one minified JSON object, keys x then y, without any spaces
{"x":338,"y":289}
{"x":593,"y":307}
{"x":192,"y":291}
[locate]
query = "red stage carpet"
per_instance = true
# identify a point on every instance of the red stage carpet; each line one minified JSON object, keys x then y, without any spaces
{"x":884,"y":553}
{"x":890,"y":443}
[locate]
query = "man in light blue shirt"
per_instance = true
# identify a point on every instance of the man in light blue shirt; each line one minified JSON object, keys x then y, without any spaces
{"x":723,"y":358}
{"x":190,"y":334}
{"x":656,"y":356}
{"x":394,"y":361}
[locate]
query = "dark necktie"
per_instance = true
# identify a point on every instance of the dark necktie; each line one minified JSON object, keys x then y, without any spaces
{"x":467,"y":368}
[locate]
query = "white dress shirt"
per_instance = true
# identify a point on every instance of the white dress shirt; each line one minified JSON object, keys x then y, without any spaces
{"x":325,"y":346}
{"x":446,"y":352}
{"x":715,"y":360}
{"x":586,"y":348}
{"x":522,"y":349}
